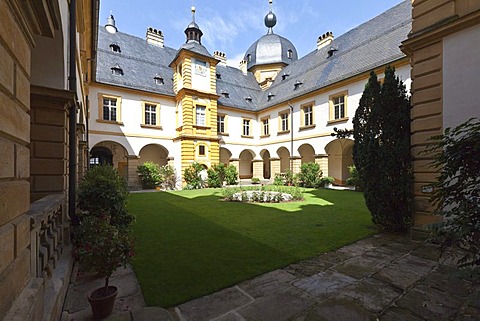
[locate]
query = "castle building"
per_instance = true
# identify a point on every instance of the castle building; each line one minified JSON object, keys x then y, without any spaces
{"x":275,"y":112}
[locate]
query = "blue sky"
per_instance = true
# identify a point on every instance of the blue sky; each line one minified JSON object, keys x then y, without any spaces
{"x":232,"y":26}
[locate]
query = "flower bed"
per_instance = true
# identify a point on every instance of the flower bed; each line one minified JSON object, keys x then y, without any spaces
{"x":260,"y":197}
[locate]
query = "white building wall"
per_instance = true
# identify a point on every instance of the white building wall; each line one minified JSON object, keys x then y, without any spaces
{"x":461,"y":76}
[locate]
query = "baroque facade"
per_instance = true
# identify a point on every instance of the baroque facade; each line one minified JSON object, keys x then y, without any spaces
{"x":45,"y":53}
{"x":276,"y":111}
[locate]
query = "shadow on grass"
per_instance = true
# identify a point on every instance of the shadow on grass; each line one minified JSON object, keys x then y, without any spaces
{"x":191,"y":246}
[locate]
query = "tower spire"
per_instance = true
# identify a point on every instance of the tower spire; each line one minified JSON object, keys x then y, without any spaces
{"x":193,"y":31}
{"x":270,"y":19}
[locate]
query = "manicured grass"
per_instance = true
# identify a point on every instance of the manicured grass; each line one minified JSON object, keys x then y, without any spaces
{"x":191,"y":243}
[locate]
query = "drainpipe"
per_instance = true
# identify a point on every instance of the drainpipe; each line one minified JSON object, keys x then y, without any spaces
{"x":291,"y":136}
{"x":72,"y":134}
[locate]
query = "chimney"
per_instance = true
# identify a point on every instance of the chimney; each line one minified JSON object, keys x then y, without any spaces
{"x":220,"y":56}
{"x":324,"y":40}
{"x":155,"y":37}
{"x":243,"y":66}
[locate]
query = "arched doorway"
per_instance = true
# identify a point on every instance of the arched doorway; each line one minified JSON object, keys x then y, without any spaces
{"x":284,"y":156}
{"x":113,"y":153}
{"x":225,"y":156}
{"x":339,"y":159}
{"x":307,"y":153}
{"x":246,"y":164}
{"x":154,"y":153}
{"x":101,"y":156}
{"x":266,"y":164}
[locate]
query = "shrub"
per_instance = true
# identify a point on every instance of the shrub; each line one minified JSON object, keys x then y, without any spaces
{"x":168,"y":177}
{"x":216,"y":175}
{"x":193,"y":176}
{"x":231,"y":175}
{"x":149,"y":175}
{"x":457,"y":192}
{"x":326,"y":180}
{"x":103,"y":190}
{"x":354,"y":179}
{"x":381,"y":151}
{"x":310,"y":175}
{"x":289,"y":179}
{"x":278,"y":180}
{"x":255,"y":180}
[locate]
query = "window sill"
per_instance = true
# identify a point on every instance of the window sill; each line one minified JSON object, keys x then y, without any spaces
{"x":109,"y":122}
{"x":201,"y":127}
{"x":151,"y":126}
{"x":223,"y":134}
{"x":336,"y":121}
{"x":245,"y":136}
{"x":283,"y":132}
{"x":265,"y":136}
{"x":307,"y":127}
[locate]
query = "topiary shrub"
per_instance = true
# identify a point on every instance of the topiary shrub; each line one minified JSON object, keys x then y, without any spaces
{"x":193,"y":176}
{"x":168,"y":177}
{"x":231,"y":175}
{"x":216,"y":175}
{"x":310,"y":175}
{"x":457,"y":192}
{"x":278,"y":180}
{"x":325,"y":181}
{"x":103,"y":190}
{"x":149,"y":175}
{"x":255,"y":180}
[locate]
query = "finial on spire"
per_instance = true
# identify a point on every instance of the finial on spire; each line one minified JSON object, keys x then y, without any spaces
{"x":270,"y":19}
{"x":193,"y":13}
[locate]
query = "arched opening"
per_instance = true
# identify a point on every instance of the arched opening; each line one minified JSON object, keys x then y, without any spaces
{"x":307,"y":153}
{"x":284,"y":156}
{"x":339,"y":159}
{"x":113,"y":153}
{"x":246,"y":164}
{"x":266,"y":164}
{"x":225,"y":156}
{"x":154,"y":153}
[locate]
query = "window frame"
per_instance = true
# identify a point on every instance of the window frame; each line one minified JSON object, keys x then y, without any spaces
{"x":303,"y":117}
{"x":265,"y":123}
{"x":281,"y":128}
{"x":332,"y":106}
{"x":118,"y":107}
{"x":247,"y":123}
{"x":157,"y":115}
{"x":196,"y":108}
{"x":225,"y":118}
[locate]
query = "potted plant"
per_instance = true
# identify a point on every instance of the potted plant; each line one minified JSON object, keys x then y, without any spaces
{"x":101,"y":248}
{"x":327,"y":181}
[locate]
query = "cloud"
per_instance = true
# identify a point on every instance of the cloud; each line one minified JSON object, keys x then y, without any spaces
{"x":235,"y":60}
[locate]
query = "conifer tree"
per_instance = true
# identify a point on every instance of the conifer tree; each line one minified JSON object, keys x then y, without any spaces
{"x":381,"y":151}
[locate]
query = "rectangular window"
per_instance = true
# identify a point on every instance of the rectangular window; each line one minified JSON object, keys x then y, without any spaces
{"x":265,"y":126}
{"x":110,"y":109}
{"x":308,"y":116}
{"x":150,"y":114}
{"x":221,"y":124}
{"x":284,"y":122}
{"x":200,"y":115}
{"x":339,"y":107}
{"x":201,"y":150}
{"x":246,"y":127}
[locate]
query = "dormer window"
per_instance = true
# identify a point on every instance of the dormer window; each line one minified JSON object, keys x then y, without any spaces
{"x":285,"y":76}
{"x":297,"y":84}
{"x":116,"y":70}
{"x":270,"y":96}
{"x":249,"y":99}
{"x":219,"y":76}
{"x":331,"y":51}
{"x":249,"y":58}
{"x":290,"y":54}
{"x":158,"y":80}
{"x":115,"y":48}
{"x":225,"y":94}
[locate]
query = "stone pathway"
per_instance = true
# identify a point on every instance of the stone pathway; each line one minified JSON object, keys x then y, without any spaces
{"x":379,"y":278}
{"x":383,"y":277}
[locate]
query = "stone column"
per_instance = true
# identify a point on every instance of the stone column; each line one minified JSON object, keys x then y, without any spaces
{"x":297,"y":163}
{"x":275,"y":166}
{"x":133,"y":180}
{"x":322,"y":160}
{"x":258,"y":168}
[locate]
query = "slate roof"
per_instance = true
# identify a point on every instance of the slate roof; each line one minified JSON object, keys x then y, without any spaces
{"x":269,"y":49}
{"x":370,"y":45}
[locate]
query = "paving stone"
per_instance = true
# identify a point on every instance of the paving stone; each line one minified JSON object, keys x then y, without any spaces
{"x":277,"y":306}
{"x":356,"y":249}
{"x":384,"y":253}
{"x":470,"y":313}
{"x":335,"y":310}
{"x":267,"y":283}
{"x":360,"y":267}
{"x":127,"y":284}
{"x":233,"y":316}
{"x":405,"y":272}
{"x":428,"y":251}
{"x":151,"y":314}
{"x":308,"y":267}
{"x":403,"y":244}
{"x":131,"y":302}
{"x":399,"y":314}
{"x":373,"y":295}
{"x":335,"y":257}
{"x":323,"y":284}
{"x":430,"y":304}
{"x":214,"y":305}
{"x":446,"y":279}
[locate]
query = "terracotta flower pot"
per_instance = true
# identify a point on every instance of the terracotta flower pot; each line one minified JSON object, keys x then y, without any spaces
{"x":102,"y":303}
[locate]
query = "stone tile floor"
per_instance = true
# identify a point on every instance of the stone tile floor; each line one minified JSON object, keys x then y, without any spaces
{"x":384,"y":277}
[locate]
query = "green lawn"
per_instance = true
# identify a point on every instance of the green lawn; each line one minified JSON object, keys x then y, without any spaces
{"x":191,"y":243}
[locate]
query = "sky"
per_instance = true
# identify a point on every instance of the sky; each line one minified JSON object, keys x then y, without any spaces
{"x":231,"y":26}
